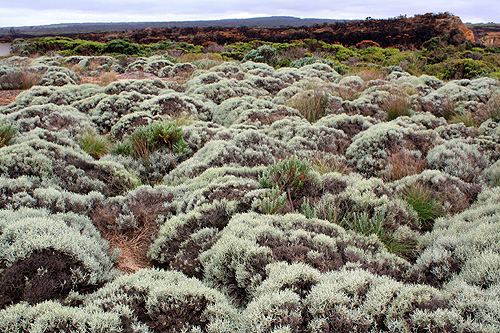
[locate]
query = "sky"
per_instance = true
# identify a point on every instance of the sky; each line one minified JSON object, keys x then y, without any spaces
{"x":41,"y":12}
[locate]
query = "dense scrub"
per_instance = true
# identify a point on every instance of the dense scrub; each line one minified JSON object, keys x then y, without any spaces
{"x":237,"y":197}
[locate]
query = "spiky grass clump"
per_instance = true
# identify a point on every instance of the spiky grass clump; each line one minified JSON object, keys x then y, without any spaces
{"x":108,"y":77}
{"x":427,"y":207}
{"x":464,"y":117}
{"x":322,"y":164}
{"x":311,"y":104}
{"x":145,"y":140}
{"x":398,"y":104}
{"x":7,"y":133}
{"x":402,"y":164}
{"x":272,"y":202}
{"x":448,"y":107}
{"x":94,"y":144}
{"x":288,"y":175}
{"x":493,"y":107}
{"x":19,"y":79}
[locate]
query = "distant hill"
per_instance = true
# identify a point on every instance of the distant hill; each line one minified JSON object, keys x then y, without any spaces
{"x":78,"y":28}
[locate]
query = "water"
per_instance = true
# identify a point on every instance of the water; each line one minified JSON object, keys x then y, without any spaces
{"x":4,"y":49}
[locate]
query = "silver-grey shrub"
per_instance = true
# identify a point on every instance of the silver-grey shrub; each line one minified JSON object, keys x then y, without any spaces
{"x":299,"y":135}
{"x":31,"y":192}
{"x":461,"y":158}
{"x":51,"y":315}
{"x":111,"y":108}
{"x":357,"y":300}
{"x":144,"y":87}
{"x":183,"y":237}
{"x":250,"y":110}
{"x":370,"y":149}
{"x":462,"y":254}
{"x":59,"y":76}
{"x":174,"y":104}
{"x":248,"y":148}
{"x":226,"y":88}
{"x":27,"y":230}
{"x":165,"y":301}
{"x":50,"y":117}
{"x":63,"y":166}
{"x":237,"y":262}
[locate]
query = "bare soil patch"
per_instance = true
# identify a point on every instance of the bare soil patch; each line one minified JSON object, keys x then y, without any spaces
{"x":8,"y":96}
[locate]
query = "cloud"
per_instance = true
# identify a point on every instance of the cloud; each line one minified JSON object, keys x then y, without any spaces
{"x":35,"y":12}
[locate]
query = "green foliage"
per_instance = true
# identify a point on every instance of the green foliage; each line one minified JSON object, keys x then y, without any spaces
{"x":288,"y":175}
{"x":272,"y":201}
{"x":422,"y":200}
{"x":122,"y":47}
{"x":7,"y":133}
{"x":466,"y":69}
{"x":94,"y":144}
{"x":145,"y":140}
{"x":265,"y":54}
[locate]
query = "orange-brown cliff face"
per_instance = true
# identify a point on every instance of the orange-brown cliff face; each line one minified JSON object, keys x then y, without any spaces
{"x":492,"y":39}
{"x":487,"y":34}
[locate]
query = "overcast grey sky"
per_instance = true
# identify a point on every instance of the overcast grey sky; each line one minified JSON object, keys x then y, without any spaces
{"x":40,"y":12}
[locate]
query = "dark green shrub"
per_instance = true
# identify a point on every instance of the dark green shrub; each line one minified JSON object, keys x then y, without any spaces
{"x":466,"y":69}
{"x":265,"y":54}
{"x":284,"y":62}
{"x":7,"y":133}
{"x":144,"y":140}
{"x":122,"y":47}
{"x":287,"y":175}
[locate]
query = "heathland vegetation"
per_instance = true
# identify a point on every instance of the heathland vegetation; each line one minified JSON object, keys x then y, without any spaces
{"x":249,"y":187}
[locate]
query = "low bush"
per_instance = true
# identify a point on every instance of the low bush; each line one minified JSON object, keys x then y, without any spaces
{"x":493,"y":107}
{"x":40,"y":264}
{"x":288,"y":175}
{"x":165,"y":301}
{"x":145,"y":140}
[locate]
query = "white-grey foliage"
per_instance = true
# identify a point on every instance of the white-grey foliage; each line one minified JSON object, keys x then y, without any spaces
{"x":463,"y":254}
{"x":461,"y":158}
{"x":249,"y":109}
{"x":27,"y":230}
{"x":243,"y":271}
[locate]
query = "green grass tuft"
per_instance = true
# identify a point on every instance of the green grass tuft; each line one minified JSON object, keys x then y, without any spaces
{"x":94,"y":144}
{"x":427,"y":207}
{"x":7,"y":134}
